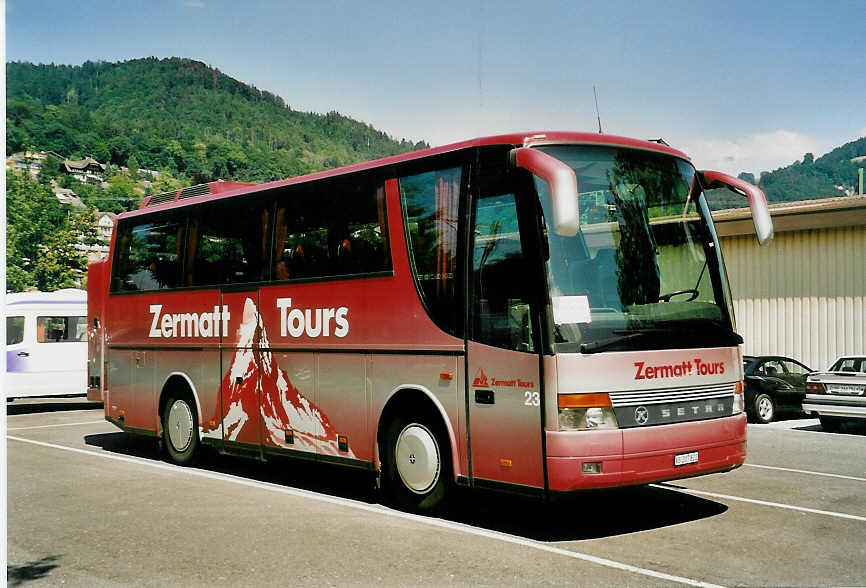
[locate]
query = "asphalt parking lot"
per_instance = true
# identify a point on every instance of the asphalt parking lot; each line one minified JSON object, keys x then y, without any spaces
{"x":91,"y":506}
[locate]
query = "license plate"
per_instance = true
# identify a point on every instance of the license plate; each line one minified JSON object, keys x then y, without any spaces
{"x":844,"y":389}
{"x":686,"y":458}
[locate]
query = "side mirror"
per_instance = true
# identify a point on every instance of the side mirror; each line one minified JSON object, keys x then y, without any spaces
{"x":757,"y":200}
{"x":562,"y":183}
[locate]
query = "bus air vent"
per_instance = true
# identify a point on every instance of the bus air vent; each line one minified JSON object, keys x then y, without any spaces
{"x":162,"y":198}
{"x":192,"y":191}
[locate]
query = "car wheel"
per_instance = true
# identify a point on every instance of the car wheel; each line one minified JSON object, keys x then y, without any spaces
{"x":765,"y":408}
{"x":830,"y":424}
{"x":180,"y":430}
{"x":416,"y":469}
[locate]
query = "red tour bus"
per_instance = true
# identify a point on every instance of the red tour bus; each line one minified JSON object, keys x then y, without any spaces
{"x":538,"y":313}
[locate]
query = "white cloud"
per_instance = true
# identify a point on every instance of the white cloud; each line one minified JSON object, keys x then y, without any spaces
{"x":755,"y":152}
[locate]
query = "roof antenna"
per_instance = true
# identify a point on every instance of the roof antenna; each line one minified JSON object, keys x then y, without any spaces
{"x":596,"y":108}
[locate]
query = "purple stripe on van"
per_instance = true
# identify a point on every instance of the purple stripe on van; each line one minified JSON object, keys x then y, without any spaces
{"x":14,"y":362}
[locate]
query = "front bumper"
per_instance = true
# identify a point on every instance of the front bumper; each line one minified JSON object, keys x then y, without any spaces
{"x":644,"y":455}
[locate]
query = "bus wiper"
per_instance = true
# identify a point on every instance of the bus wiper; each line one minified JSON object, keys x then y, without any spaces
{"x":601,"y":345}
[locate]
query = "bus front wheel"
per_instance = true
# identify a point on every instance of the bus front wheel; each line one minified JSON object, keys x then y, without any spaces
{"x":180,"y":430}
{"x":416,"y":469}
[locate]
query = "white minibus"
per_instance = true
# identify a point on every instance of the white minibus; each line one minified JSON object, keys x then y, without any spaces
{"x":46,"y":344}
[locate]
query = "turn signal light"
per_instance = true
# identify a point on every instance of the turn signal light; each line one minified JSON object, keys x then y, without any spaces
{"x":739,"y":399}
{"x":582,"y":412}
{"x":583,"y":400}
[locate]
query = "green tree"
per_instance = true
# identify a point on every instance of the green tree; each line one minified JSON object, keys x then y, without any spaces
{"x":132,"y":165}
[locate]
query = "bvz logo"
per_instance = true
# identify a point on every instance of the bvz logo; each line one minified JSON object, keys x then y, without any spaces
{"x":641,"y":415}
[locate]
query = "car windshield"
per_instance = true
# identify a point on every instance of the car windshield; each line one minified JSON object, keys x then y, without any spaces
{"x":644,"y":271}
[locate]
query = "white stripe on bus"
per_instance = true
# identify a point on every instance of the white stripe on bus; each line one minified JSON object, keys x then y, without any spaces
{"x":504,"y":537}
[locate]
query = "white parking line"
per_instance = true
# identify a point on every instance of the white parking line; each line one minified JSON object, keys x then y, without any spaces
{"x":829,"y":513}
{"x":58,"y":425}
{"x":766,"y":467}
{"x":469,"y":530}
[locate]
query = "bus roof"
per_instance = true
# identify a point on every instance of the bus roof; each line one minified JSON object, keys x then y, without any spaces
{"x":222,"y":189}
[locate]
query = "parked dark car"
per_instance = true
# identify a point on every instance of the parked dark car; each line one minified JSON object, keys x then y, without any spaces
{"x":773,"y":383}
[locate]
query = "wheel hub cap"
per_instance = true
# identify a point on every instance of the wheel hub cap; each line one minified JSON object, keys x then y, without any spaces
{"x":180,"y":425}
{"x":418,"y":459}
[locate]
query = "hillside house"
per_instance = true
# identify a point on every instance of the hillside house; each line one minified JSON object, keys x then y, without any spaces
{"x":87,"y":170}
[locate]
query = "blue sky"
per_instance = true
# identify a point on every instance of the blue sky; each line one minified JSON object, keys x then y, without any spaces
{"x":740,"y":86}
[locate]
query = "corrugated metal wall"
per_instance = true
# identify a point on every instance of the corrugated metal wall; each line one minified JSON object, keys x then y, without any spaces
{"x":802,"y":295}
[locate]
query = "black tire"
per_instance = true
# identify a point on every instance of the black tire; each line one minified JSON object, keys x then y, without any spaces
{"x":764,"y":408}
{"x":180,"y":429}
{"x":830,"y":424}
{"x":408,"y":480}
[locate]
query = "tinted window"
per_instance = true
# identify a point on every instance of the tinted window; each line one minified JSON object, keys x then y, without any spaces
{"x":148,"y":256}
{"x":500,"y":307}
{"x":228,"y":243}
{"x":61,"y":329}
{"x":14,"y":329}
{"x":431,"y":205}
{"x":331,"y":229}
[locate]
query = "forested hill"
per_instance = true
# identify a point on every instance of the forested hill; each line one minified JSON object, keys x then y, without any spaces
{"x":180,"y":115}
{"x":830,"y":175}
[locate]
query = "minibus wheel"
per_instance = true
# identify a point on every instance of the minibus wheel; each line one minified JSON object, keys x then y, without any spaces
{"x":416,"y":469}
{"x":180,"y":430}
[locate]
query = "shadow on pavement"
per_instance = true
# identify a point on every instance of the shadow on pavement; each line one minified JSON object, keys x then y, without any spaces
{"x":849,"y":427}
{"x":22,"y":407}
{"x":34,"y":570}
{"x":590,"y":515}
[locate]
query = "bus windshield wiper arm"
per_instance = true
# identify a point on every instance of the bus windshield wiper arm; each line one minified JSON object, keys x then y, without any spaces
{"x":601,"y":345}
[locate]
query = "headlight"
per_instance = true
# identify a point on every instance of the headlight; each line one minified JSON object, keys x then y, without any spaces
{"x":582,"y":412}
{"x":739,"y":400}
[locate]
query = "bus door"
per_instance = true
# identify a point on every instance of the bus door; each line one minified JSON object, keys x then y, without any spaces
{"x":241,"y":336}
{"x":504,"y":378}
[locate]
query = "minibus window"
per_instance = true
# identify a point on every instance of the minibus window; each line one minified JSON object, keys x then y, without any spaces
{"x":61,"y":329}
{"x":14,"y":329}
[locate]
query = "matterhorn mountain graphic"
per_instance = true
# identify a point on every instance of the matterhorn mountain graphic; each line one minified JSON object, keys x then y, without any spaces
{"x":253,"y":372}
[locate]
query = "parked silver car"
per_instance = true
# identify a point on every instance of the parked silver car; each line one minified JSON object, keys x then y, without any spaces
{"x":838,"y":394}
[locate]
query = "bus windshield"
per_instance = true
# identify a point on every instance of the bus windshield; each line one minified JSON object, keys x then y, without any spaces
{"x":644,"y":271}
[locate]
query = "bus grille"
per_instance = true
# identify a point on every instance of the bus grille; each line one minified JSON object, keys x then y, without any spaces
{"x":672,"y":405}
{"x":664,"y":396}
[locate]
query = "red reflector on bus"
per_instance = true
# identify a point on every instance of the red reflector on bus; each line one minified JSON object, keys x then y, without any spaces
{"x":583,"y":400}
{"x":446,"y":376}
{"x":506,"y":463}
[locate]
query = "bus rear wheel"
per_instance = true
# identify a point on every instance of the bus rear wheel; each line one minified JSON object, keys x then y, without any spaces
{"x":416,"y":468}
{"x":180,"y":430}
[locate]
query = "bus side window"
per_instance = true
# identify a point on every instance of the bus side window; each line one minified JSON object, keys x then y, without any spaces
{"x":330,"y":230}
{"x":228,"y":243}
{"x":430,"y":208}
{"x":148,"y":256}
